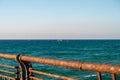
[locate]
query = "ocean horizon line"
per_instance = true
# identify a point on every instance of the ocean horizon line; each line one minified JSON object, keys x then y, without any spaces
{"x":62,"y":39}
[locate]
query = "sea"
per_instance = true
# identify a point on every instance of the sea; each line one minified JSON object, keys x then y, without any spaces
{"x":92,"y":51}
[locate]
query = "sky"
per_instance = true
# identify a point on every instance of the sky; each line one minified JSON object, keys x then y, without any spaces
{"x":59,"y":19}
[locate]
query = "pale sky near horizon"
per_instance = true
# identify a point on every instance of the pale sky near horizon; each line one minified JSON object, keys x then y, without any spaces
{"x":59,"y":19}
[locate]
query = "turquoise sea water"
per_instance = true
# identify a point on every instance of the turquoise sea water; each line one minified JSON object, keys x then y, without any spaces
{"x":95,"y":51}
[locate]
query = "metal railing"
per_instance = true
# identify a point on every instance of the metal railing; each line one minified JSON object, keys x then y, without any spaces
{"x":9,"y":72}
{"x":27,"y":71}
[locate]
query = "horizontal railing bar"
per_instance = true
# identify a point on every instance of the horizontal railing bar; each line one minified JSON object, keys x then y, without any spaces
{"x":6,"y":71}
{"x":51,"y":75}
{"x":31,"y":77}
{"x":76,"y":65}
{"x":8,"y":66}
{"x":69,"y":64}
{"x":63,"y":63}
{"x":11,"y":78}
{"x":8,"y":56}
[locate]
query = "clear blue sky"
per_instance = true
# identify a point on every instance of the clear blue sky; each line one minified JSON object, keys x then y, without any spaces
{"x":59,"y":19}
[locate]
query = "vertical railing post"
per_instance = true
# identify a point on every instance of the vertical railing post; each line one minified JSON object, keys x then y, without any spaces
{"x":113,"y":76}
{"x":5,"y":78}
{"x":31,"y":73}
{"x":17,"y":73}
{"x":0,"y":77}
{"x":24,"y":67}
{"x":99,"y":76}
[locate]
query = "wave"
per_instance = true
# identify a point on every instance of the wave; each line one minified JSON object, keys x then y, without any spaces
{"x":91,"y":75}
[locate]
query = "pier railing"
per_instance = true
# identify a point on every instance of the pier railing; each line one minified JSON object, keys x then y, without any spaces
{"x":26,"y":70}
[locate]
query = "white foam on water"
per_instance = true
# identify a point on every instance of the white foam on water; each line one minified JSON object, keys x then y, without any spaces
{"x":91,"y":75}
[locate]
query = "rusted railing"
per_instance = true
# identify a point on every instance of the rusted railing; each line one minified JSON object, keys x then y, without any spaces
{"x":9,"y":72}
{"x":27,"y":72}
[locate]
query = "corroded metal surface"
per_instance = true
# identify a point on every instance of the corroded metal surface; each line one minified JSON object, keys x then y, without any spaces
{"x":4,"y":65}
{"x":52,"y":75}
{"x":113,"y":76}
{"x":99,"y":76}
{"x":16,"y":73}
{"x":69,"y":64}
{"x":6,"y":71}
{"x":24,"y":68}
{"x":101,"y":68}
{"x":34,"y":78}
{"x":112,"y":69}
{"x":76,"y":65}
{"x":8,"y":56}
{"x":6,"y":77}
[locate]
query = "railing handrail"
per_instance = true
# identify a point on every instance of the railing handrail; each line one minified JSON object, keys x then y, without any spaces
{"x":114,"y":69}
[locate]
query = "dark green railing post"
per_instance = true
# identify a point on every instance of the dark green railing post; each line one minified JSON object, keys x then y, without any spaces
{"x":24,"y":67}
